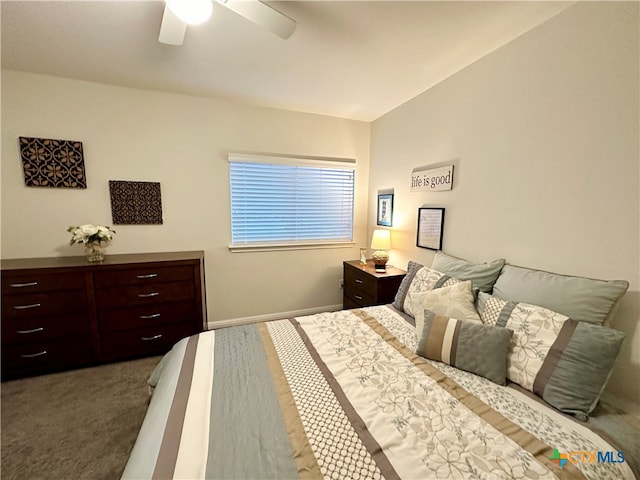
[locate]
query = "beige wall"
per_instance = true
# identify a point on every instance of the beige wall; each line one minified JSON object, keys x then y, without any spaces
{"x":544,"y":137}
{"x":543,"y":133}
{"x":181,"y":142}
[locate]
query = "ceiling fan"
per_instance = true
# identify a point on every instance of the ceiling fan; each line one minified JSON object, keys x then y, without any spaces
{"x":180,"y":13}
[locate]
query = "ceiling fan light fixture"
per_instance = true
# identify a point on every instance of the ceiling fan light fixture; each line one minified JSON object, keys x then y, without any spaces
{"x":192,"y":12}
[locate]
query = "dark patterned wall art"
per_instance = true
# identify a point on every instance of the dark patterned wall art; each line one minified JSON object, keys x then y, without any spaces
{"x":52,"y":163}
{"x":135,"y":203}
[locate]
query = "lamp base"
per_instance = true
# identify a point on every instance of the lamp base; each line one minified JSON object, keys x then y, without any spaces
{"x":380,"y":259}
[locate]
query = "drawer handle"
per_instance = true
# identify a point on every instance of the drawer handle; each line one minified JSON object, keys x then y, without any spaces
{"x":150,"y":275}
{"x":20,"y":285}
{"x":155,"y":337}
{"x":359,"y":281}
{"x":146,"y":317}
{"x":147,"y":295}
{"x":32,"y":355}
{"x":358,"y":297}
{"x":25,"y":307}
{"x":34,"y":330}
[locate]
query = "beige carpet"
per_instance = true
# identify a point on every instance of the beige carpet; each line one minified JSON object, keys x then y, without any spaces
{"x":79,"y":424}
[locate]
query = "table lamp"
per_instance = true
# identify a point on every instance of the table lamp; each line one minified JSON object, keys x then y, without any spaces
{"x":380,"y":243}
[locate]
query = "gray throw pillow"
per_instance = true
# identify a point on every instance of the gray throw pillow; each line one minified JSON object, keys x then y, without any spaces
{"x":467,"y":345}
{"x":580,"y":298}
{"x":482,"y":275}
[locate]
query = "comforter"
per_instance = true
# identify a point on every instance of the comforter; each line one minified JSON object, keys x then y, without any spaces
{"x":343,"y":395}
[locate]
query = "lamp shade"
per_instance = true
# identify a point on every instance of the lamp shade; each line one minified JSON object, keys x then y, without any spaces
{"x":381,"y":240}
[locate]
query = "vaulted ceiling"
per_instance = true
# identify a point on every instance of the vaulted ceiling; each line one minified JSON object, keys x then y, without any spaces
{"x":356,"y":60}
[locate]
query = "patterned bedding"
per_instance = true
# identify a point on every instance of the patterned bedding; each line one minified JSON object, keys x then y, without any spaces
{"x":343,"y":395}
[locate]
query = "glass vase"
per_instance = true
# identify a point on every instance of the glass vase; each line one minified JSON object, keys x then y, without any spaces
{"x":94,"y":253}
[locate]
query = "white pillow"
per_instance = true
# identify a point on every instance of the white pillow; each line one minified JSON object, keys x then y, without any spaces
{"x":455,"y":301}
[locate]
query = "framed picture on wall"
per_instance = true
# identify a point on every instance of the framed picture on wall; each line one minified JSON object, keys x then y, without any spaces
{"x":385,"y":209}
{"x":430,"y":224}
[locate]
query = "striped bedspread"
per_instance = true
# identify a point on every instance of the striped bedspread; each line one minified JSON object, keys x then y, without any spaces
{"x":342,"y":395}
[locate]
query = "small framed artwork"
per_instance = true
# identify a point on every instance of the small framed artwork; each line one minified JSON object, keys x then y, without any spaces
{"x":135,"y":203}
{"x":385,"y":209}
{"x":47,"y":162}
{"x":430,"y":224}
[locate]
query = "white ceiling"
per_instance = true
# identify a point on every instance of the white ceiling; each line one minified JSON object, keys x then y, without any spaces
{"x":355,"y":60}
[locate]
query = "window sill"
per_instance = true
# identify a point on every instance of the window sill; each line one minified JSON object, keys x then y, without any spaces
{"x":267,"y":247}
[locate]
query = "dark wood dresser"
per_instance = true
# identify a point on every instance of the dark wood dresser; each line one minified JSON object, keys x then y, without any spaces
{"x":363,"y":286}
{"x":63,"y":312}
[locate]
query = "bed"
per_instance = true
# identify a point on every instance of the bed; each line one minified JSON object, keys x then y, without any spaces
{"x":391,"y":391}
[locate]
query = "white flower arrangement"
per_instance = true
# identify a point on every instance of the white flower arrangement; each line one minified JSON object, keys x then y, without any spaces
{"x":91,"y":235}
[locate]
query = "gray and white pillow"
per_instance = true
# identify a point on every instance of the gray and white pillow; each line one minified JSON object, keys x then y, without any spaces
{"x":470,"y":346}
{"x":565,"y":362}
{"x":424,"y":280}
{"x":455,"y":301}
{"x":401,"y":294}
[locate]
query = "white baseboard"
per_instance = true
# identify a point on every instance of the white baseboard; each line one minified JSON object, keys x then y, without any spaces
{"x":271,"y":316}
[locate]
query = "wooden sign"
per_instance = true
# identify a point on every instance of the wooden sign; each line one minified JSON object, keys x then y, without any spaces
{"x":433,"y":179}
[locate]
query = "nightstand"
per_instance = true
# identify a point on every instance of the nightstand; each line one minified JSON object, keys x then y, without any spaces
{"x":363,"y":286}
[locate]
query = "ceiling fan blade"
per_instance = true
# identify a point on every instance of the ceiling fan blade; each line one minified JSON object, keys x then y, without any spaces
{"x":262,"y":15}
{"x":172,"y":29}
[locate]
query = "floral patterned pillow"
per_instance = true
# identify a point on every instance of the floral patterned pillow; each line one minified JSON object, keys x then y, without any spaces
{"x":424,"y":280}
{"x":456,"y":301}
{"x":565,"y":362}
{"x":535,"y":329}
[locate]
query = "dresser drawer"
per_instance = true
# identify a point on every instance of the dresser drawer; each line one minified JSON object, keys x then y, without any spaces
{"x":42,"y":304}
{"x":20,"y":283}
{"x":153,"y":340}
{"x":142,"y":275}
{"x":36,"y":329}
{"x":134,"y":295}
{"x":47,"y":356}
{"x":147,"y":316}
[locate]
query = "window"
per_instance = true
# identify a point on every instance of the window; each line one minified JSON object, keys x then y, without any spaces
{"x":278,"y":202}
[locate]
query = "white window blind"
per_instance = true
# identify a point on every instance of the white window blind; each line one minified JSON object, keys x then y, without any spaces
{"x":290,"y":201}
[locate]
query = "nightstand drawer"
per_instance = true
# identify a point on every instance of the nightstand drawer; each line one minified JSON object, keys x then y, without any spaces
{"x":42,"y":304}
{"x":147,"y":316}
{"x":348,"y":304}
{"x":360,"y":298}
{"x":142,"y":275}
{"x":358,"y":280}
{"x":133,"y":295}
